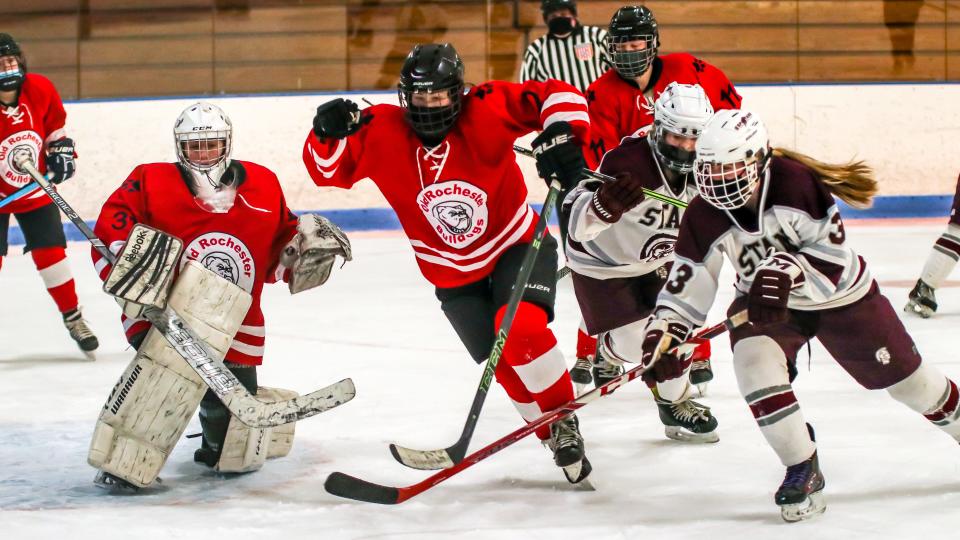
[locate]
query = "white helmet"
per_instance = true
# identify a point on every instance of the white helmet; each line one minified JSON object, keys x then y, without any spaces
{"x":203,"y":136}
{"x":732,"y":153}
{"x":681,"y":109}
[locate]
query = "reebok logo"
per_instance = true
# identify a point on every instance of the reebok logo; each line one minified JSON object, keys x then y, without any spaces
{"x":134,"y":252}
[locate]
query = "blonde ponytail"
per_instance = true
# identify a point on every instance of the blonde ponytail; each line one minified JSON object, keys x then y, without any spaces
{"x":853,"y":182}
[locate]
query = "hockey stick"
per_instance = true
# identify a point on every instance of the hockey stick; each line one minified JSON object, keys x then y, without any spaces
{"x":600,"y":176}
{"x":448,"y":457}
{"x":19,"y":194}
{"x":247,"y":408}
{"x":351,"y":487}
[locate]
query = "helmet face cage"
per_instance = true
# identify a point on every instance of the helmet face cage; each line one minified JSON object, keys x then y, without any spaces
{"x":728,"y":186}
{"x":682,"y":110}
{"x":204,"y":141}
{"x":631,"y":64}
{"x":432,"y":122}
{"x":13,"y":68}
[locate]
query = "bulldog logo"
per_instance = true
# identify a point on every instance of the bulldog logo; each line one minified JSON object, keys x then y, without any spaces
{"x":456,"y":210}
{"x":221,"y":265}
{"x":17,"y":146}
{"x":455,"y":217}
{"x":225,"y":255}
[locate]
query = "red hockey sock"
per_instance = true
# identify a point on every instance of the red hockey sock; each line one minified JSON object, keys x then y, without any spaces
{"x":586,"y":344}
{"x":52,"y":264}
{"x":702,"y":352}
{"x":532,"y":352}
{"x":522,"y":400}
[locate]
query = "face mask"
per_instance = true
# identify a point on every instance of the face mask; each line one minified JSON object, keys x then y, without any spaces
{"x":560,"y":25}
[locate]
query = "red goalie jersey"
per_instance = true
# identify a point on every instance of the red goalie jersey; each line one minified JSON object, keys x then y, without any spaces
{"x":242,"y":245}
{"x":462,"y":203}
{"x":37,"y":119}
{"x":619,"y":108}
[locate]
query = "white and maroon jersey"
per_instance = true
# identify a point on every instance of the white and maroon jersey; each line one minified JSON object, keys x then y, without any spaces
{"x":618,"y":107}
{"x":463,"y":202}
{"x":643,"y":240}
{"x":37,"y":120}
{"x":799,"y":218}
{"x":243,"y":245}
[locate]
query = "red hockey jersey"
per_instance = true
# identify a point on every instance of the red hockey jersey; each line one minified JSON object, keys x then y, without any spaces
{"x":618,"y":108}
{"x":37,"y":119}
{"x":462,"y":203}
{"x":242,"y":245}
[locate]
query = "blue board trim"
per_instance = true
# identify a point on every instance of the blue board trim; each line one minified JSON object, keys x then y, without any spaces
{"x":384,"y":219}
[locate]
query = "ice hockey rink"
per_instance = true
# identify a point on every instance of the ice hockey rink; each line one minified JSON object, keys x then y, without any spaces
{"x":890,"y":474}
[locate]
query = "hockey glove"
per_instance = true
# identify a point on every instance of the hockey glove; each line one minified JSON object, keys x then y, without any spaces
{"x":767,"y":300}
{"x":60,"y":160}
{"x":338,"y":118}
{"x":612,"y":199}
{"x":663,"y":362}
{"x":309,"y":256}
{"x":558,"y":155}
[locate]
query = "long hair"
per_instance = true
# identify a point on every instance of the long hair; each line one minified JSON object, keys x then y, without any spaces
{"x":853,"y":182}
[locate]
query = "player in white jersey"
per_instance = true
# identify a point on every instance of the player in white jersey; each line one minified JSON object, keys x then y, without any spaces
{"x":620,"y":245}
{"x":941,"y":261}
{"x":773,"y":215}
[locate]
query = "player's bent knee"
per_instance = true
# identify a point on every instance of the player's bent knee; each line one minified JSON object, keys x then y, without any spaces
{"x":759,"y":362}
{"x":245,"y":449}
{"x":922,"y":390}
{"x":623,"y":344}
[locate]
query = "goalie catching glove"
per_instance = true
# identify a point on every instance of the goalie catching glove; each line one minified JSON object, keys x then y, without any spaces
{"x":309,"y":255}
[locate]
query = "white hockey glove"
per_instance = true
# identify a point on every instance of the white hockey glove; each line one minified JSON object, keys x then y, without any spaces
{"x":309,"y":255}
{"x":143,"y":273}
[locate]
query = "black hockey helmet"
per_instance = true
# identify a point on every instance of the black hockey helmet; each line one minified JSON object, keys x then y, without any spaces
{"x":11,"y":79}
{"x":429,"y":69}
{"x":632,"y":23}
{"x":549,"y":6}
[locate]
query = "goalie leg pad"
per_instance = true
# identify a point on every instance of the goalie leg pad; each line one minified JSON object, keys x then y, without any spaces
{"x":245,"y":449}
{"x":151,"y":405}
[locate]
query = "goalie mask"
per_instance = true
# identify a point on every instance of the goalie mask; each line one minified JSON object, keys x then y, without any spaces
{"x":204,"y":139}
{"x":733,"y":152}
{"x":13,"y":69}
{"x":431,"y":90}
{"x":632,"y":40}
{"x":679,"y":113}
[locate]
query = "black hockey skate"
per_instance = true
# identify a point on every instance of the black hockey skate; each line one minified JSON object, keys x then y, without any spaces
{"x":580,"y":373}
{"x":604,"y":371}
{"x":921,"y":301}
{"x":688,"y":421}
{"x":701,"y":374}
{"x":115,"y":485}
{"x":567,"y":446}
{"x":801,"y":494}
{"x":81,"y":333}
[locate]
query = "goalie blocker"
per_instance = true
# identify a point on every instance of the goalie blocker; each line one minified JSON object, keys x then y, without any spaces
{"x":152,"y":403}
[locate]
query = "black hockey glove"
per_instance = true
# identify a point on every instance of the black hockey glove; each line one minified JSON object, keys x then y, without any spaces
{"x":60,"y":160}
{"x":338,"y":118}
{"x":613,"y":199}
{"x":558,"y":155}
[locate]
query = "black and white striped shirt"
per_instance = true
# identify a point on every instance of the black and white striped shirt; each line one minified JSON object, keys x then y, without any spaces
{"x":578,"y":59}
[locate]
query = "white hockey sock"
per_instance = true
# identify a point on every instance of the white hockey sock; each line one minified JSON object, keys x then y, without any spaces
{"x":943,"y":257}
{"x":929,"y":392}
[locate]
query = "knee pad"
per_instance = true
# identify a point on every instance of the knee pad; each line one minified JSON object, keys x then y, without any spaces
{"x":759,"y":363}
{"x":245,"y":449}
{"x":150,"y":406}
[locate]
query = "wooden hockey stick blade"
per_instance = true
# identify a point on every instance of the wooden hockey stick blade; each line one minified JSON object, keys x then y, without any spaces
{"x":351,"y":487}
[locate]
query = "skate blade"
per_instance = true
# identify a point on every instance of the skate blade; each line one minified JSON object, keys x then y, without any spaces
{"x":815,"y":505}
{"x":114,"y":485}
{"x":577,"y":475}
{"x":90,"y":355}
{"x":679,"y":434}
{"x":918,"y":309}
{"x":582,"y":388}
{"x":702,"y":389}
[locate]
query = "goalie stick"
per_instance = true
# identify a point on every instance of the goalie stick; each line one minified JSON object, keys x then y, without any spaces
{"x":448,"y":457}
{"x":243,"y":405}
{"x":351,"y":487}
{"x":602,"y":177}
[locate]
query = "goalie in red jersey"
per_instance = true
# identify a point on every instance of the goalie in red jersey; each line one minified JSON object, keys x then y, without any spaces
{"x":445,"y":163}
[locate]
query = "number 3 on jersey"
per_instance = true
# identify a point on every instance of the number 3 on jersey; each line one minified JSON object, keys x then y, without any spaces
{"x":681,"y":275}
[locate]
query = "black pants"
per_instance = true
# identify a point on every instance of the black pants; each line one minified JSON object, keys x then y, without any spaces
{"x":41,"y":228}
{"x":471,"y":308}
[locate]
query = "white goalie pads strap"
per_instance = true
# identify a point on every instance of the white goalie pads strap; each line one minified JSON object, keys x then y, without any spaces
{"x":144,"y":268}
{"x":245,"y":449}
{"x":158,"y":393}
{"x":311,"y":253}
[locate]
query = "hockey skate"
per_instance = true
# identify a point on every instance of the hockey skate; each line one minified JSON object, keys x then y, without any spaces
{"x":701,"y":374}
{"x":604,"y":371}
{"x":801,"y":494}
{"x":115,"y":485}
{"x":81,"y":333}
{"x":567,"y":446}
{"x":580,"y":373}
{"x":921,"y":301}
{"x":688,"y":421}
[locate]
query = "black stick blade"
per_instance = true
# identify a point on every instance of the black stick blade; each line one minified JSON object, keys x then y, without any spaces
{"x":351,"y":487}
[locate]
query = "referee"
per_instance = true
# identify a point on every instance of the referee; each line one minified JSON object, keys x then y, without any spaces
{"x":570,"y":52}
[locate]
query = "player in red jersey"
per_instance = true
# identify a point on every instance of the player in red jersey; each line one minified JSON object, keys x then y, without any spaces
{"x":32,"y":120}
{"x":444,"y":161}
{"x":232,"y":218}
{"x":621,"y":103}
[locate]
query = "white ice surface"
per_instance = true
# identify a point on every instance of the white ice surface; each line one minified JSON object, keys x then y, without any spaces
{"x":889,"y":473}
